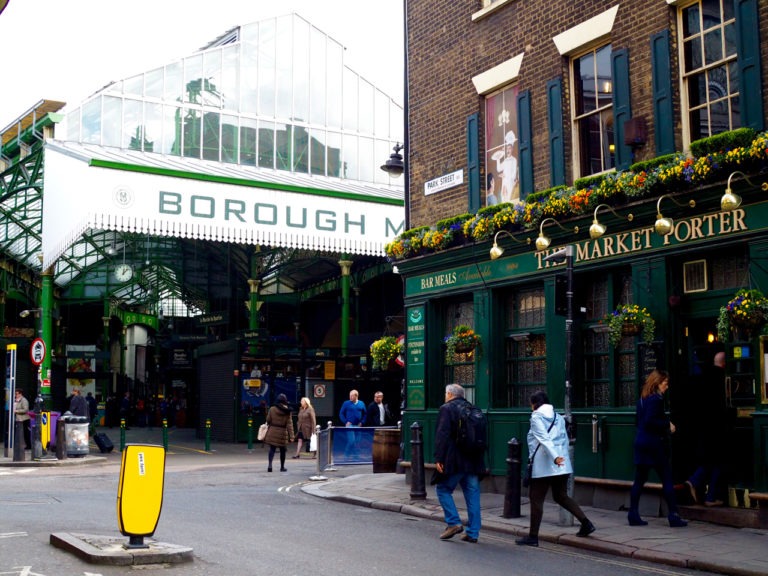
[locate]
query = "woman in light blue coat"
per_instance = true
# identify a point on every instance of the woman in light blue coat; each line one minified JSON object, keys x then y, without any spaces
{"x":548,"y":445}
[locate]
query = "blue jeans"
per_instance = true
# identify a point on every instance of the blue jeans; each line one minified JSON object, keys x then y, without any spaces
{"x":470,"y":486}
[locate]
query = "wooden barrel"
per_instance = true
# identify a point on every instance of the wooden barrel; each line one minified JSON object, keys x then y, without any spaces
{"x":386,"y":449}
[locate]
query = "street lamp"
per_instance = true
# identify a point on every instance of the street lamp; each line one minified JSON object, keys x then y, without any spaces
{"x":394,"y":165}
{"x":559,"y":256}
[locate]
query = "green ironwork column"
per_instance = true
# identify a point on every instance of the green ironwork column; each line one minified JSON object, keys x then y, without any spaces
{"x":346,"y":266}
{"x":46,"y":332}
{"x":107,"y":349}
{"x":253,"y":317}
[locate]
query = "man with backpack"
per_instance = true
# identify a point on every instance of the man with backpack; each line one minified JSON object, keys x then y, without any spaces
{"x":460,"y":441}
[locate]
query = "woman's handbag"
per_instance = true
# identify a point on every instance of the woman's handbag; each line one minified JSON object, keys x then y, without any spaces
{"x":529,"y":468}
{"x":313,"y":442}
{"x":262,"y":433}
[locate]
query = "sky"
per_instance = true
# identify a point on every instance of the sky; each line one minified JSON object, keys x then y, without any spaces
{"x":67,"y":50}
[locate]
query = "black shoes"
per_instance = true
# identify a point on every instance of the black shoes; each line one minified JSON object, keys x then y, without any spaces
{"x":269,"y":469}
{"x":677,"y":522}
{"x":451,"y":531}
{"x":468,"y":538}
{"x":528,"y":541}
{"x":634,"y":519}
{"x":692,"y":491}
{"x":283,"y":470}
{"x":586,"y":528}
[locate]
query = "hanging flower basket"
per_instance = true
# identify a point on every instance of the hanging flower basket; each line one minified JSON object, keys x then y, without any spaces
{"x":384,"y":350}
{"x":748,"y":309}
{"x":462,"y":340}
{"x":630,"y":320}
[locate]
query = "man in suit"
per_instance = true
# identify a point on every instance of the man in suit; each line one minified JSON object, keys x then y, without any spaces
{"x":378,"y":413}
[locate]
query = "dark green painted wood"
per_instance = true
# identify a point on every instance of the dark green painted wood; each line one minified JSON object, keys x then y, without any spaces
{"x":622,"y":105}
{"x":473,"y":162}
{"x":750,"y":77}
{"x":525,"y":143}
{"x":555,"y":126}
{"x":661,"y":81}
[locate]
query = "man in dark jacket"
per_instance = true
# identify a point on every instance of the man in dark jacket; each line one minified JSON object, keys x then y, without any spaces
{"x":378,"y":413}
{"x":77,"y":405}
{"x":456,"y":467}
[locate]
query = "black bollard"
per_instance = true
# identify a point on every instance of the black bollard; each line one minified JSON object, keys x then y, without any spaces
{"x":18,"y":441}
{"x":418,"y":485}
{"x":512,"y":493}
{"x":61,"y":439}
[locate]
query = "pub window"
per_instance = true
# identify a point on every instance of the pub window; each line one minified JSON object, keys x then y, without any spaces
{"x":593,"y":111}
{"x":594,"y":389}
{"x":461,"y":368}
{"x":525,"y":348}
{"x":729,"y":271}
{"x":710,"y":69}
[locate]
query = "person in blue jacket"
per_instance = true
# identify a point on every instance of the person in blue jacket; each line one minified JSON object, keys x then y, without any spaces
{"x":352,"y":414}
{"x":548,"y":446}
{"x":652,"y":448}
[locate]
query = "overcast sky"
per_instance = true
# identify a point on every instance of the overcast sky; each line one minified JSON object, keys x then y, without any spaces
{"x":67,"y":49}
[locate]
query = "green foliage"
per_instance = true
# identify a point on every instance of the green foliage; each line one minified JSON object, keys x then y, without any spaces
{"x":748,"y":308}
{"x":462,"y":339}
{"x":740,"y":138}
{"x":589,"y":182}
{"x":542,"y":195}
{"x":648,"y":165}
{"x":630,"y":314}
{"x":384,"y":350}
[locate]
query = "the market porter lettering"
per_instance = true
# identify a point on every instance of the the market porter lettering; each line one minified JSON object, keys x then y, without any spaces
{"x":437,"y":280}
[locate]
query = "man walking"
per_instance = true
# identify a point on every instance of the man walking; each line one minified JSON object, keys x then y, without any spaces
{"x":456,"y":467}
{"x":378,"y":413}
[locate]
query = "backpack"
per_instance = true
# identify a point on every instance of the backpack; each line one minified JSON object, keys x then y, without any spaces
{"x":472,"y":430}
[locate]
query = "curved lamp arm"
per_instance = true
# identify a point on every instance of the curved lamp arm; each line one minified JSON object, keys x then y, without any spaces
{"x":597,"y":229}
{"x":664,"y":226}
{"x":543,"y":242}
{"x":730,"y":200}
{"x":497,"y":250}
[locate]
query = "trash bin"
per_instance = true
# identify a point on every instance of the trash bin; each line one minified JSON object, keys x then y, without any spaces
{"x":76,"y":435}
{"x":48,"y":430}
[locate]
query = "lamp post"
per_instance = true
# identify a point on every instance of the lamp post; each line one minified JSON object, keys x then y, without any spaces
{"x":559,"y":256}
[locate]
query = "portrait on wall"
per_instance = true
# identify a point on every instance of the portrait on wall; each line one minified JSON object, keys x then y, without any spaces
{"x":501,"y":150}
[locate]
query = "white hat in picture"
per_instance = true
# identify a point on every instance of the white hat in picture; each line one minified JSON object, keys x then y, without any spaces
{"x":510,"y":138}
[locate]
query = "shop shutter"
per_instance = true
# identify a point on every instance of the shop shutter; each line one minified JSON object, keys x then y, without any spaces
{"x":661,"y":81}
{"x":473,"y":161}
{"x":748,"y":50}
{"x":622,"y":108}
{"x":555,"y":122}
{"x":525,"y":144}
{"x":216,"y":395}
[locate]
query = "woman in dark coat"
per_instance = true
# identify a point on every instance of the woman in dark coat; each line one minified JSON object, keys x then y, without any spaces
{"x":652,"y":448}
{"x":280,"y":430}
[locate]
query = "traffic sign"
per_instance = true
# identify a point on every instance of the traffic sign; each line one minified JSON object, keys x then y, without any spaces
{"x":37,"y":351}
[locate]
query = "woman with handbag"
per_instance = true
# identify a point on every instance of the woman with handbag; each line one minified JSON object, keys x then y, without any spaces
{"x":551,"y":467}
{"x":280,"y":430}
{"x":652,"y":448}
{"x":306,"y":425}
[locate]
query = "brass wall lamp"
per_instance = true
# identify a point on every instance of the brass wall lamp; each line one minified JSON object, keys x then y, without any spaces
{"x":543,"y":242}
{"x":597,"y":229}
{"x":730,"y":200}
{"x":497,"y":250}
{"x":664,"y":226}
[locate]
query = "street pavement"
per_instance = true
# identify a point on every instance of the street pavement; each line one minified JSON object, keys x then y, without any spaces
{"x":701,"y":545}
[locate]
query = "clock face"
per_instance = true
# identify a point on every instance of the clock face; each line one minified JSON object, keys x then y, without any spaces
{"x":123,"y":272}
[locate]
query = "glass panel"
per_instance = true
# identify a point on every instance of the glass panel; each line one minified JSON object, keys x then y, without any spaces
{"x":211,"y":136}
{"x":318,"y":77}
{"x":584,"y":72}
{"x":133,"y":127}
{"x":596,"y":298}
{"x":317,"y":147}
{"x":153,"y":83}
{"x":267,"y":68}
{"x":713,"y":46}
{"x":266,"y":144}
{"x":730,"y":40}
{"x":350,"y":100}
{"x":283,"y":143}
{"x":733,"y":77}
{"x":604,"y":78}
{"x":728,"y":10}
{"x":735,"y":113}
{"x":382,"y":149}
{"x":333,"y":153}
{"x":171,"y":130}
{"x":334,"y":85}
{"x":73,"y":125}
{"x":111,"y":122}
{"x":300,"y":149}
{"x":609,"y":152}
{"x":301,"y":70}
{"x":134,"y":86}
{"x":366,"y":159}
{"x":351,"y":163}
{"x":692,"y":54}
{"x":381,"y":115}
{"x":710,"y":10}
{"x":718,"y":83}
{"x":153,"y":127}
{"x":192,"y":130}
{"x":248,"y":142}
{"x":229,"y":137}
{"x":284,"y":73}
{"x":591,"y":153}
{"x":193,"y":74}
{"x":212,"y":75}
{"x":249,"y":72}
{"x":366,"y":112}
{"x":697,"y":90}
{"x":229,"y":74}
{"x":530,"y":308}
{"x":91,"y":131}
{"x":172,"y":90}
{"x":691,"y":21}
